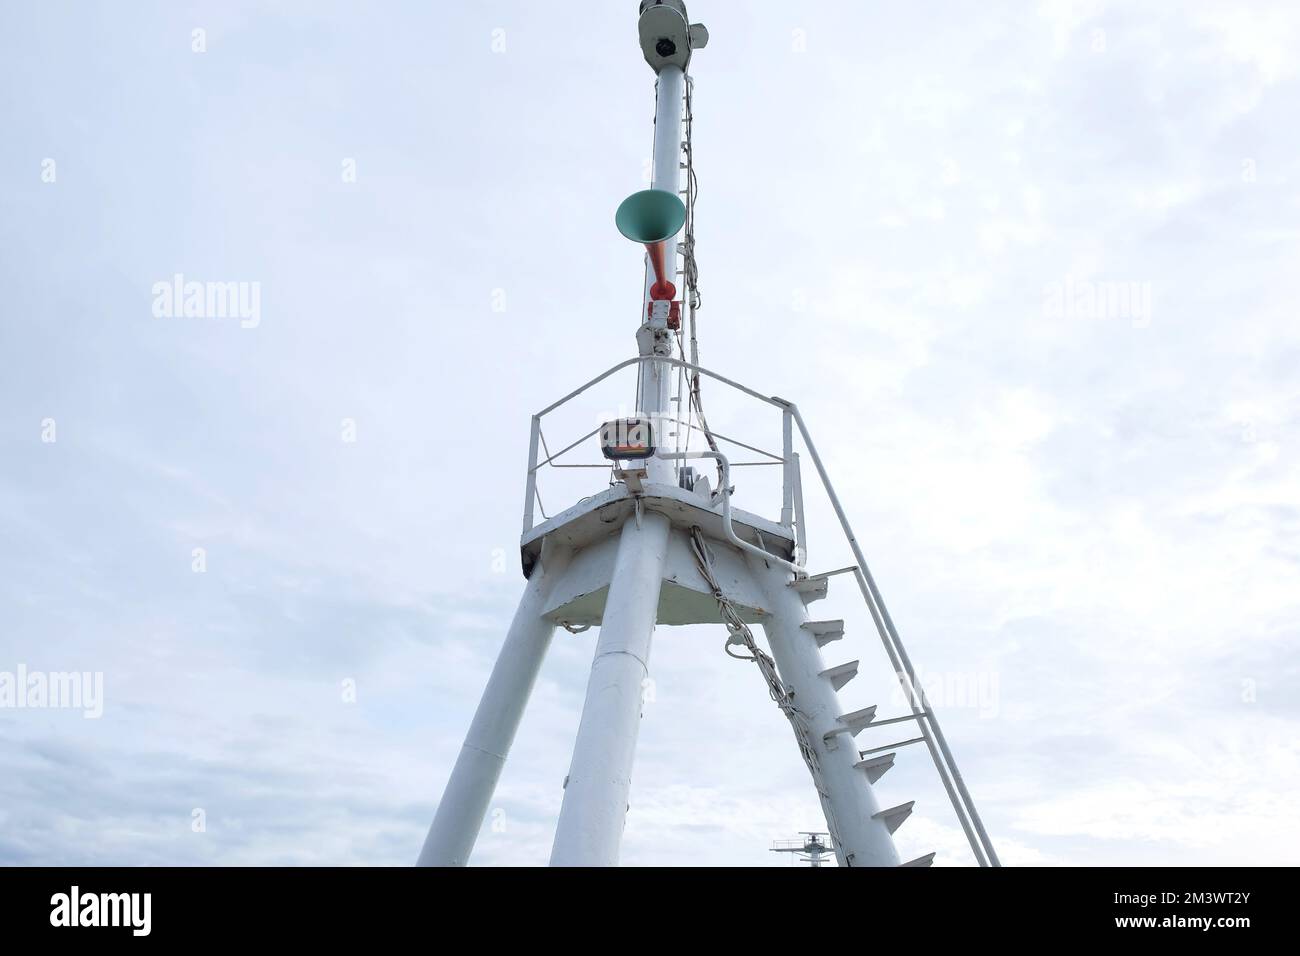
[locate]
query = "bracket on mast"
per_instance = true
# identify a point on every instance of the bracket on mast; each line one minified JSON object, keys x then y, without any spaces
{"x":633,"y":478}
{"x":667,"y":35}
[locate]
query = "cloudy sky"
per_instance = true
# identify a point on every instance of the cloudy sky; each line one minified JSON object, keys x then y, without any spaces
{"x":1030,"y":270}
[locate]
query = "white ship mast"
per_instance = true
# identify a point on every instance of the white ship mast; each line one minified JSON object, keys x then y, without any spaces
{"x":811,"y":849}
{"x":660,"y":546}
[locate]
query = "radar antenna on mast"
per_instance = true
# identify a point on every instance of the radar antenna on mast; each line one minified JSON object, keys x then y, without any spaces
{"x":811,"y":848}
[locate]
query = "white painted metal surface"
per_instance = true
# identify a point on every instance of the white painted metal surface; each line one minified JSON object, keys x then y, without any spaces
{"x":593,"y":813}
{"x":944,"y":762}
{"x":600,"y":776}
{"x":654,"y":338}
{"x":582,"y":592}
{"x":864,"y":840}
{"x":602,"y":514}
{"x":474,"y":777}
{"x":650,"y":552}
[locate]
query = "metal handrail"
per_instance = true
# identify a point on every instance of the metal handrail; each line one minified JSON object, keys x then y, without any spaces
{"x":791,"y":504}
{"x":792,"y":514}
{"x":944,"y":762}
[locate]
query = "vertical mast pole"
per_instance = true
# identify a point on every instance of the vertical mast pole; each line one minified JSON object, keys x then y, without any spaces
{"x":596,"y":796}
{"x":654,"y":338}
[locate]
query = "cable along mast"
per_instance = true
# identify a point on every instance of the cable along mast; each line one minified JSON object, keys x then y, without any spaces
{"x":663,"y":546}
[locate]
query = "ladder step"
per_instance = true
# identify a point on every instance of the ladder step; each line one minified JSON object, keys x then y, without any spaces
{"x":830,"y":574}
{"x":896,"y":743}
{"x":824,"y":631}
{"x":894,"y":816}
{"x":875,"y":767}
{"x":851,"y":723}
{"x":811,"y":589}
{"x":855,"y":721}
{"x":840,"y":674}
{"x":926,"y":860}
{"x":900,"y":720}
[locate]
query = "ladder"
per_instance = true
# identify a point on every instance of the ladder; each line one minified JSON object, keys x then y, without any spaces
{"x":876,"y":761}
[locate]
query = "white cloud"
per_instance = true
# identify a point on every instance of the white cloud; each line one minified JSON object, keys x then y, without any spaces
{"x":1099,"y":512}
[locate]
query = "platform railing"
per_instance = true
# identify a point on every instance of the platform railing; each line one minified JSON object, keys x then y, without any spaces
{"x":791,"y":505}
{"x":792,"y":512}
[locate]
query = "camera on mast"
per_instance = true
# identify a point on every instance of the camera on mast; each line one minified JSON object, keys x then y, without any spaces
{"x":667,"y":35}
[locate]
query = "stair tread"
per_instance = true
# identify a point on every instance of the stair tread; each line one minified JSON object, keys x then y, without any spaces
{"x":804,"y":585}
{"x":837,"y":624}
{"x":824,"y":631}
{"x":875,"y":767}
{"x":855,"y":721}
{"x":840,"y":674}
{"x":893,"y":817}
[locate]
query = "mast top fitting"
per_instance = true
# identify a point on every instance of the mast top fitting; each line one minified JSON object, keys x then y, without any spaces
{"x":667,"y":35}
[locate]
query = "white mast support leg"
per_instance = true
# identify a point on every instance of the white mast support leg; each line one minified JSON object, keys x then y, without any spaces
{"x":864,"y":839}
{"x":655,"y":395}
{"x":473,"y":780}
{"x":595,"y":805}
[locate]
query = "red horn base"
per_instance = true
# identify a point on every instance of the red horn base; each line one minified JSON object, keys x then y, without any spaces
{"x":662,"y":291}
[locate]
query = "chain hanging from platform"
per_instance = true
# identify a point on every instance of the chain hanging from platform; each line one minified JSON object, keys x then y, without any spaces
{"x":740,"y":634}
